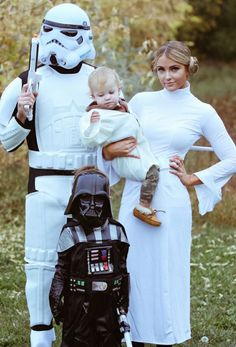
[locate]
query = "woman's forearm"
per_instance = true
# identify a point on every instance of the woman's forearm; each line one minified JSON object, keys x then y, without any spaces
{"x":122,"y":148}
{"x":193,"y":180}
{"x":106,"y":153}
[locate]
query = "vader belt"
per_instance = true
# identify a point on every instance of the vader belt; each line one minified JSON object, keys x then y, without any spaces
{"x":89,"y":286}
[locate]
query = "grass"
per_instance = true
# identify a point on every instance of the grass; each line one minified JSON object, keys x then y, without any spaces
{"x":213,"y":292}
{"x":213,"y":281}
{"x":213,"y":288}
{"x":14,"y":314}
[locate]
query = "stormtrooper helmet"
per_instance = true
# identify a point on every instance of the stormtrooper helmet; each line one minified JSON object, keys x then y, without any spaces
{"x":65,"y":37}
{"x":89,"y":202}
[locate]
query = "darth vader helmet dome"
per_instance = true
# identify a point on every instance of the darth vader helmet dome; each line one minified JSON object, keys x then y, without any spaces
{"x":65,"y":37}
{"x":89,"y":202}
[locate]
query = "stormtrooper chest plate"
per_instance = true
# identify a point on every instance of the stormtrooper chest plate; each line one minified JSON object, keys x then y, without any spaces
{"x":60,"y":103}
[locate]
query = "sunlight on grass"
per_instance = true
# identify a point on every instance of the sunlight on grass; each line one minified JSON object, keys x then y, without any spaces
{"x":213,"y":289}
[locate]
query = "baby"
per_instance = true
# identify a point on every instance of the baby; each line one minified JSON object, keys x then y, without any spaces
{"x":108,"y":120}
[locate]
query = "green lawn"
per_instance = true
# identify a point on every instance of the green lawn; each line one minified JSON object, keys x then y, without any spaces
{"x":213,"y":288}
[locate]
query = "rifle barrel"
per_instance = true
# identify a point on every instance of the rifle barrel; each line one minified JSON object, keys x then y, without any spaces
{"x":201,"y":149}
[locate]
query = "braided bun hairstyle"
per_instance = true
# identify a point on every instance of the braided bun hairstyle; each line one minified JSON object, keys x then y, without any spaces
{"x":179,"y":52}
{"x":193,"y":65}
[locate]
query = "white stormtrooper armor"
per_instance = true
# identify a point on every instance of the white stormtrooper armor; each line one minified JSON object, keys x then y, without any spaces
{"x":55,"y":151}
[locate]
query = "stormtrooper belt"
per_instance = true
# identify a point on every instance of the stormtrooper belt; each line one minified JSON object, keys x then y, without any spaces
{"x":89,"y":286}
{"x":60,"y":161}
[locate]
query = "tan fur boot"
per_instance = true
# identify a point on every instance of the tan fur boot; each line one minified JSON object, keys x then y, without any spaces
{"x":147,"y":215}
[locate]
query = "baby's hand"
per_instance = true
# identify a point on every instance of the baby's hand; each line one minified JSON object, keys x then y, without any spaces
{"x":95,"y":117}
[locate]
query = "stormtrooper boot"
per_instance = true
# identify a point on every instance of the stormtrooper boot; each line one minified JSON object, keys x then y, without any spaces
{"x":43,"y":338}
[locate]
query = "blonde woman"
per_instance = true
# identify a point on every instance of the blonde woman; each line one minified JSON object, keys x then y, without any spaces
{"x":172,"y":119}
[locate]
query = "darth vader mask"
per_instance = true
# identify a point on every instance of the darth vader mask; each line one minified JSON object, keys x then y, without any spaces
{"x":89,"y":202}
{"x":92,"y":209}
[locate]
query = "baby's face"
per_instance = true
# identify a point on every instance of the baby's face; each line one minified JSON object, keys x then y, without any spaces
{"x":108,"y":97}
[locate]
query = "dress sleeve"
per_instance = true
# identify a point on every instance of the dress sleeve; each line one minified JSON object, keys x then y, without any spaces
{"x":215,"y":177}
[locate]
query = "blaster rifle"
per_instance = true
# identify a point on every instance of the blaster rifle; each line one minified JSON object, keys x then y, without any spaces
{"x":33,"y":77}
{"x":124,"y":326}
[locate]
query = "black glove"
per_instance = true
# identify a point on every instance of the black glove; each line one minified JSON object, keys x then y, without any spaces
{"x":56,"y":299}
{"x":123,"y":301}
{"x":58,"y":313}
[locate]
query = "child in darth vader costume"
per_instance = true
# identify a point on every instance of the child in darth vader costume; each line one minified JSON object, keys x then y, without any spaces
{"x":91,"y":279}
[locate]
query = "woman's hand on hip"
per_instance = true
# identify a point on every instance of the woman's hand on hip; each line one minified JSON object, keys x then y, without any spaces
{"x":178,"y":169}
{"x":122,"y":148}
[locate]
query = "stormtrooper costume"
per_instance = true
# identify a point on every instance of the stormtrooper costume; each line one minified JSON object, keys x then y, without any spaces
{"x":91,"y":279}
{"x":55,"y":149}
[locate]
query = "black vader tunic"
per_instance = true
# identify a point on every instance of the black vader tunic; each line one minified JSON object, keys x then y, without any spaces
{"x":90,"y":282}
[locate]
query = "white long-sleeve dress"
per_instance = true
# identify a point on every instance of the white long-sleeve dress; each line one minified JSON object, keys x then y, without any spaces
{"x":159,"y":258}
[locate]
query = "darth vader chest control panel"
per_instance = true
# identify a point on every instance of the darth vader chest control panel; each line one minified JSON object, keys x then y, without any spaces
{"x":99,"y":260}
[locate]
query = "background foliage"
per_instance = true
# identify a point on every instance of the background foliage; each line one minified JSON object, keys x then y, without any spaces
{"x":125,"y":33}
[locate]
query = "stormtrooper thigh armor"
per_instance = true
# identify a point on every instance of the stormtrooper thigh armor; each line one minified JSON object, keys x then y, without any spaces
{"x":44,"y":220}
